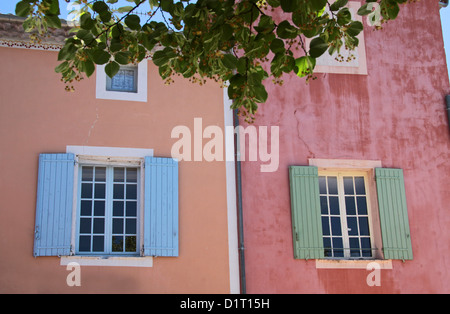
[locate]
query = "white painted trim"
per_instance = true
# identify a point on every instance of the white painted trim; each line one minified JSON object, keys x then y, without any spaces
{"x":351,"y":264}
{"x":233,"y":253}
{"x":141,"y":95}
{"x":108,"y":261}
{"x":109,"y":151}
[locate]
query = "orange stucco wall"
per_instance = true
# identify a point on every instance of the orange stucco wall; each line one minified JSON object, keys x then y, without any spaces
{"x":38,"y":116}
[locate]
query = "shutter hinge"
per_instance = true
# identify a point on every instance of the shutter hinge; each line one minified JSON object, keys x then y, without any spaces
{"x":36,"y":233}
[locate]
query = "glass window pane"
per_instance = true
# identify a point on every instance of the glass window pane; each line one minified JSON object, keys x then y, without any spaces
{"x":350,"y":205}
{"x":352,"y":225}
{"x":85,"y":244}
{"x":86,"y":208}
{"x":366,"y":247}
{"x":132,"y":209}
{"x":363,"y":226}
{"x":99,"y":225}
{"x":118,"y":208}
{"x":322,"y":185}
{"x":117,"y":226}
{"x":86,"y":190}
{"x":117,"y":243}
{"x":334,"y":205}
{"x":332,"y":185}
{"x":119,"y":174}
{"x":131,"y":191}
{"x":100,"y":174}
{"x":348,"y":186}
{"x":100,"y":190}
{"x":325,"y":226}
{"x":87,"y":174}
{"x":338,"y":247}
{"x":99,"y":208}
{"x":354,"y":247}
{"x":323,"y":205}
{"x":85,"y":225}
{"x":130,"y":244}
{"x":131,"y":175}
{"x":336,"y":226}
{"x":359,"y":186}
{"x":124,"y":81}
{"x":98,"y":244}
{"x":362,"y":205}
{"x":130,"y":226}
{"x":118,"y":191}
{"x":327,"y":247}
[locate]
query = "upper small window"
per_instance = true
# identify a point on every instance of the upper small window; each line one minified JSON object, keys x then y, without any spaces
{"x":129,"y":84}
{"x":124,"y":81}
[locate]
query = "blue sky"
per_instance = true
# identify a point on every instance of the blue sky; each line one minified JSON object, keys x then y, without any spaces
{"x":8,"y":6}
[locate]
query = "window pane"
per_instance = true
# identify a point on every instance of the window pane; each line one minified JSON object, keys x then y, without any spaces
{"x":323,"y":205}
{"x":131,"y":175}
{"x":100,"y":174}
{"x":336,"y":226}
{"x":354,"y":247}
{"x":119,"y":174}
{"x":362,"y":205}
{"x":86,"y":208}
{"x":132,"y":209}
{"x":117,"y":226}
{"x":325,"y":226}
{"x":87,"y":174}
{"x":332,"y":185}
{"x":98,"y":244}
{"x":117,"y":243}
{"x":334,"y":205}
{"x":359,"y":186}
{"x":327,"y":247}
{"x":363,"y":226}
{"x":86,"y":190}
{"x":85,"y":225}
{"x":100,"y":190}
{"x":118,"y":191}
{"x":350,"y":205}
{"x":85,"y":244}
{"x":366,"y":247}
{"x":352,"y":226}
{"x":322,"y":185}
{"x":130,"y":244}
{"x":130,"y":227}
{"x":99,"y":225}
{"x":118,"y":208}
{"x":99,"y":208}
{"x":131,"y":191}
{"x":338,"y":247}
{"x":124,"y":81}
{"x":348,"y":186}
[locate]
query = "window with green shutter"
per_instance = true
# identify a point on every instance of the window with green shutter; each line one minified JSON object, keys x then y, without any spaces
{"x":332,"y":215}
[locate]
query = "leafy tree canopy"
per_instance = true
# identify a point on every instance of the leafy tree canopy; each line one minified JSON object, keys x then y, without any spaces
{"x":237,"y":42}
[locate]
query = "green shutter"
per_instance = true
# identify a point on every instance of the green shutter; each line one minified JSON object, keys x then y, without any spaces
{"x":305,"y":207}
{"x":393,"y":214}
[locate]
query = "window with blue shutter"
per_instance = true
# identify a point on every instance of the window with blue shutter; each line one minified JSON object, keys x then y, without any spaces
{"x":161,"y":207}
{"x":54,"y":205}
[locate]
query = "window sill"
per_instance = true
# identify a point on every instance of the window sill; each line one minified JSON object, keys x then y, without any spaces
{"x":108,"y":261}
{"x":352,"y":264}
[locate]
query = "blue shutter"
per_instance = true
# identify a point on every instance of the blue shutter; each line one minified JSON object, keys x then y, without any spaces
{"x":54,"y":205}
{"x":161,"y":207}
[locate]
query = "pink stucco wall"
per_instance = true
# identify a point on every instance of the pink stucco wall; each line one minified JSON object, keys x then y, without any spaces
{"x":38,"y":116}
{"x":395,"y":114}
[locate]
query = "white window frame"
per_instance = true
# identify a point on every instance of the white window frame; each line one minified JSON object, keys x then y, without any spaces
{"x":367,"y":167}
{"x":102,"y":91}
{"x":113,"y":156}
{"x":343,"y":212}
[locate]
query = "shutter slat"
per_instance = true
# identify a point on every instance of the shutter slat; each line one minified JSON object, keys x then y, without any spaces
{"x":54,"y":205}
{"x":305,"y":207}
{"x":161,"y":207}
{"x":393,"y":214}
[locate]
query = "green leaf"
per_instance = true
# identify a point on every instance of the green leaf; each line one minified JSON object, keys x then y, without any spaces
{"x":355,"y":28}
{"x":100,"y":57}
{"x":86,"y":22}
{"x":133,"y":22}
{"x":112,"y":68}
{"x":62,"y":67}
{"x":53,"y":21}
{"x":344,"y":16}
{"x":317,"y":47}
{"x":287,"y":31}
{"x":305,"y":65}
{"x":100,"y":7}
{"x":122,"y":57}
{"x":230,"y":61}
{"x":89,"y":67}
{"x":23,"y":8}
